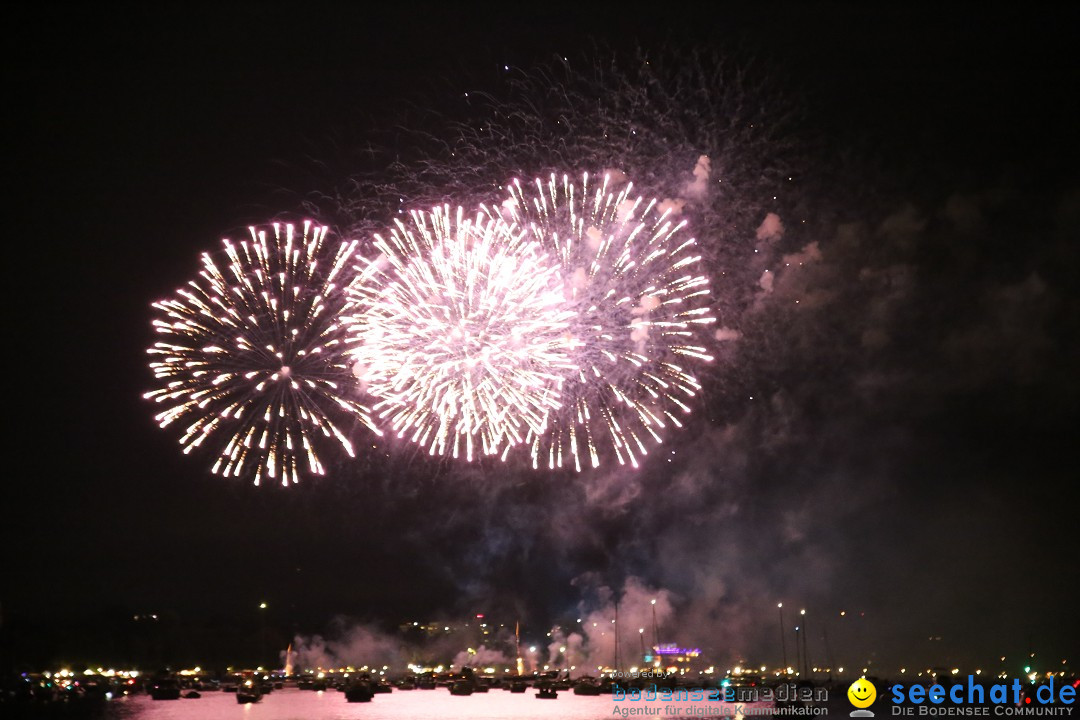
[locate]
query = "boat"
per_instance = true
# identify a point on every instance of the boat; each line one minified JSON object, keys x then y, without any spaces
{"x":193,"y":695}
{"x":382,"y":687}
{"x":249,"y":692}
{"x":461,"y":687}
{"x":166,"y":688}
{"x":518,"y":686}
{"x":359,"y":692}
{"x":546,"y":692}
{"x":586,"y":687}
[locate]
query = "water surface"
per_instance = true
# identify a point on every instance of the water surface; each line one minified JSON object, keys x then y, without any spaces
{"x":293,"y":704}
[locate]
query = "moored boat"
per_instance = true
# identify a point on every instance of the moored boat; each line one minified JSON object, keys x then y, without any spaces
{"x":359,"y":692}
{"x":165,"y":688}
{"x":462,"y":687}
{"x":586,"y":687}
{"x":249,"y":692}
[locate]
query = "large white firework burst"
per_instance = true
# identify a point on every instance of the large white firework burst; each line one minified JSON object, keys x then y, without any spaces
{"x":253,"y":360}
{"x":460,"y":330}
{"x":638,"y":303}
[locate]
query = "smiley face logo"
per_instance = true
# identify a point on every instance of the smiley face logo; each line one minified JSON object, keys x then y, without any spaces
{"x":862,"y":693}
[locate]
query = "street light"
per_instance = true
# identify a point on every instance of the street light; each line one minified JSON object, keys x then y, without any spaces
{"x":783,"y":640}
{"x":805,"y":651}
{"x":262,"y":634}
{"x":798,"y":658}
{"x":655,"y":628}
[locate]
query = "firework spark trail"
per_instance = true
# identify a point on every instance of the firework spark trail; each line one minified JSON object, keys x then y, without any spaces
{"x":648,"y":112}
{"x":638,"y":305}
{"x":460,"y":330}
{"x":253,"y":358}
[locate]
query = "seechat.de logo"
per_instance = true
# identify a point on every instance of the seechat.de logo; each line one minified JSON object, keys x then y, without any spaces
{"x":973,"y":697}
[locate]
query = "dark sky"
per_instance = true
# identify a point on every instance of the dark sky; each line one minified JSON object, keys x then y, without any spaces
{"x":926,"y":479}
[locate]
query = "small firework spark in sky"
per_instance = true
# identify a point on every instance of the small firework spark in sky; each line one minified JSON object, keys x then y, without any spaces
{"x":253,"y":359}
{"x":460,"y":330}
{"x":638,"y":302}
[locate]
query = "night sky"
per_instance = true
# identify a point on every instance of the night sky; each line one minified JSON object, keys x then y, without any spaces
{"x":908,"y":452}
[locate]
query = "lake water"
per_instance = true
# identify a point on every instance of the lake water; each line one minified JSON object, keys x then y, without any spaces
{"x":293,"y":704}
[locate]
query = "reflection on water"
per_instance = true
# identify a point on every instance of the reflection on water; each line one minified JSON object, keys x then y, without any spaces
{"x":292,"y":704}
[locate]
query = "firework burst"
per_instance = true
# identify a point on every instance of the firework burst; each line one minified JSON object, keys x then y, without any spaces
{"x":637,"y":304}
{"x":460,"y":330}
{"x":253,"y":359}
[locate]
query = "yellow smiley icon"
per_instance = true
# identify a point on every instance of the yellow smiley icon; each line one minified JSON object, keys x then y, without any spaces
{"x":862,"y":693}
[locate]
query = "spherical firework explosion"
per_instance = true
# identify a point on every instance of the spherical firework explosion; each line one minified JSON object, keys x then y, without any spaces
{"x":638,"y":302}
{"x":253,"y":359}
{"x":461,"y":331}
